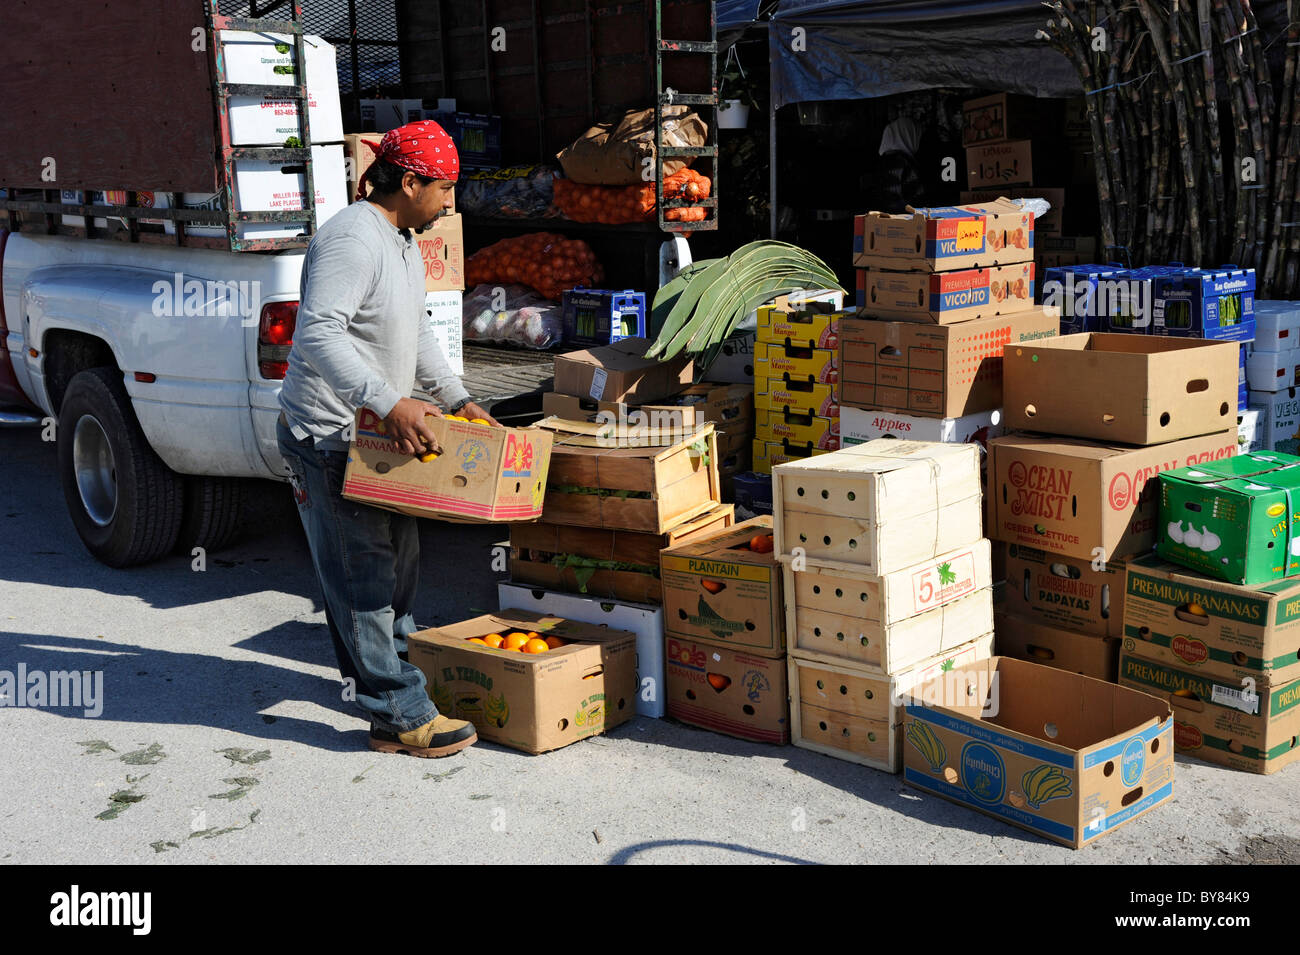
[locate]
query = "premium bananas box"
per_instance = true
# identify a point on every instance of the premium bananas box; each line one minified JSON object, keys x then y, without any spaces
{"x":811,"y":325}
{"x":1085,"y":653}
{"x":1180,"y":618}
{"x":941,"y":298}
{"x":879,"y":507}
{"x":483,"y":474}
{"x":728,"y":690}
{"x":1234,"y":519}
{"x":718,"y":589}
{"x":1086,"y":596}
{"x":1062,"y":755}
{"x":531,"y":702}
{"x":1253,"y":726}
{"x":855,"y":715}
{"x":944,"y":238}
{"x":798,"y":430}
{"x":816,"y":399}
{"x":795,"y":363}
{"x":888,"y":624}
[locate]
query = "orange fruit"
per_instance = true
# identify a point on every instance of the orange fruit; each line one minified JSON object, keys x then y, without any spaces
{"x":761,"y":544}
{"x":514,"y":641}
{"x":534,"y":635}
{"x":479,"y":640}
{"x":554,"y":643}
{"x":494,"y":640}
{"x":535,"y":646}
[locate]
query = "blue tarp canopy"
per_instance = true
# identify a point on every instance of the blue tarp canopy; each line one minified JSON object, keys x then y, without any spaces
{"x":854,"y":49}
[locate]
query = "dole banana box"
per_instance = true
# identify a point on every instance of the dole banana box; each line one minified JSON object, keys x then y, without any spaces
{"x":889,"y":623}
{"x":857,"y":715}
{"x":728,"y":690}
{"x":1237,"y":519}
{"x":1253,"y":725}
{"x":1073,"y":593}
{"x":718,"y":590}
{"x":1180,"y":618}
{"x":810,"y":325}
{"x":1060,"y":754}
{"x":482,"y":474}
{"x":944,"y":238}
{"x":941,"y":298}
{"x":815,"y":399}
{"x":1085,"y":653}
{"x":1084,"y":499}
{"x":531,"y":702}
{"x":798,"y":430}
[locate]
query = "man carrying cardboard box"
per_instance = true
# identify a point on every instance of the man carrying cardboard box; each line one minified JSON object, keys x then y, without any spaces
{"x":362,"y":340}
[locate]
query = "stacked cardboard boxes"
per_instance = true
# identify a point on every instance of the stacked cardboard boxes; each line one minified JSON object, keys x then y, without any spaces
{"x":1075,"y":500}
{"x":1271,"y":370}
{"x":887,"y":584}
{"x":796,"y":381}
{"x":1212,"y":622}
{"x":725,"y":633}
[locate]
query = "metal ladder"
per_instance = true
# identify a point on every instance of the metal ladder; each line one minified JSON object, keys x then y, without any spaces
{"x":668,"y":97}
{"x":230,"y":154}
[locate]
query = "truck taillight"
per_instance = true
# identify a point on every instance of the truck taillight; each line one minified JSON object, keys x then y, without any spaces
{"x":275,"y":338}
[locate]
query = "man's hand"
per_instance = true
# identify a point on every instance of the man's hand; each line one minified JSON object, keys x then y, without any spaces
{"x":405,"y":425}
{"x":470,"y":410}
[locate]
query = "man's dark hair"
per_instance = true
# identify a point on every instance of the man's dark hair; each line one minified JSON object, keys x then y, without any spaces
{"x":385,"y":178}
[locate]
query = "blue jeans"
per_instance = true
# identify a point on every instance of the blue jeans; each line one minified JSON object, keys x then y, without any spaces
{"x":367,"y":562}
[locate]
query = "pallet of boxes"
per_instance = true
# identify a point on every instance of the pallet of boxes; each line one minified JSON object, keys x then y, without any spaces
{"x":1212,"y":620}
{"x":634,"y":469}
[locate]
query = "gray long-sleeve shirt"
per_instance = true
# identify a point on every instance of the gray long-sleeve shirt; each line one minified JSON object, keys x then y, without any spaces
{"x":362,"y":337}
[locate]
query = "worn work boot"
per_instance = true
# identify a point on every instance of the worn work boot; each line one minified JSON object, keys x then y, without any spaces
{"x":439,"y":737}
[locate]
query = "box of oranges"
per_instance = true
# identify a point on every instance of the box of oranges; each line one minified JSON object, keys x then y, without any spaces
{"x":724,"y":588}
{"x":527,"y":680}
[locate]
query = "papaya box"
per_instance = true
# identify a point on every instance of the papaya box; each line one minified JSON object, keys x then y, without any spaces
{"x":483,"y":474}
{"x":1060,"y":754}
{"x":1180,"y":618}
{"x":728,"y":690}
{"x":717,"y":590}
{"x":1074,"y":593}
{"x":530,"y":702}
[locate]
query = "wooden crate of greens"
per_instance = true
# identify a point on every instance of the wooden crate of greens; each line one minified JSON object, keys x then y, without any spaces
{"x":600,"y":562}
{"x":652,"y":489}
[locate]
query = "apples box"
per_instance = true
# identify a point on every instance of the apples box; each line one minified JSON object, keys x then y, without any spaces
{"x":1253,"y":727}
{"x":1234,"y":519}
{"x":1070,"y":593}
{"x":1062,"y":755}
{"x":1184,"y":619}
{"x":1008,"y":163}
{"x":530,"y":702}
{"x":1277,"y":325}
{"x":717,"y":590}
{"x":645,"y":621}
{"x":858,"y":425}
{"x":483,"y":474}
{"x":888,"y":623}
{"x":1083,"y":499}
{"x":878,"y":507}
{"x":267,"y":59}
{"x":602,"y":562}
{"x":944,"y":238}
{"x":856,"y":715}
{"x":442,"y":249}
{"x":728,"y":690}
{"x":942,"y":298}
{"x":621,"y":372}
{"x":1087,"y":653}
{"x":938,"y":371}
{"x":1279,"y":420}
{"x":1134,"y":389}
{"x":820,"y":399}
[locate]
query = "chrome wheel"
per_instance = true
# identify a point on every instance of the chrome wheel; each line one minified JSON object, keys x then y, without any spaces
{"x":95,"y":469}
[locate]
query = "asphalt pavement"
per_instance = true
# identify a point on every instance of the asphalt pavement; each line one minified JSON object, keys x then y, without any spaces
{"x":224,"y":738}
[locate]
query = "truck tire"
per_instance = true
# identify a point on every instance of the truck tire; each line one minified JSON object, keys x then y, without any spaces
{"x":124,"y":502}
{"x":213,"y":508}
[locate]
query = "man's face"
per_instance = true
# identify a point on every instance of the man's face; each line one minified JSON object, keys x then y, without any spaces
{"x":425,"y":202}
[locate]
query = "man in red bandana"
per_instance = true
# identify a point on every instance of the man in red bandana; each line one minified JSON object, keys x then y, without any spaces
{"x":363,"y":341}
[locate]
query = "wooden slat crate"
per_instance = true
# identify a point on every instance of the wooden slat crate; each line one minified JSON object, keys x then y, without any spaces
{"x":851,"y":714}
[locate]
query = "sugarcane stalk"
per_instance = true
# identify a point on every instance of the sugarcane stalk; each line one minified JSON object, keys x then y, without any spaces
{"x":1233,"y":68}
{"x":1111,"y":124}
{"x":1161,"y":121}
{"x":1182,"y":47}
{"x":1205,"y":31}
{"x":1283,"y":156}
{"x":1264,"y":83}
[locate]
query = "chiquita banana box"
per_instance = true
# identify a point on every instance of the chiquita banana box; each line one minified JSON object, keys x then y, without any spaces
{"x":1060,"y":754}
{"x":481,"y":474}
{"x":1237,"y":519}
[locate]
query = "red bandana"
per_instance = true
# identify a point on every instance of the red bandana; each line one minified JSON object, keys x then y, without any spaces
{"x":423,"y":148}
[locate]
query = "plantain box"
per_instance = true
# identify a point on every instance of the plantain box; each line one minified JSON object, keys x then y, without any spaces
{"x":531,"y":702}
{"x":1062,"y":755}
{"x":718,"y":590}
